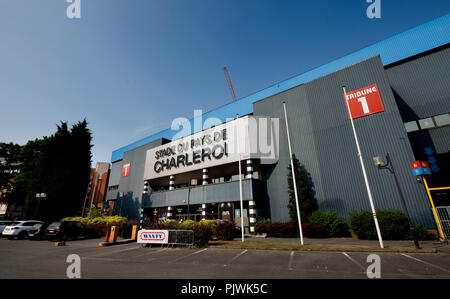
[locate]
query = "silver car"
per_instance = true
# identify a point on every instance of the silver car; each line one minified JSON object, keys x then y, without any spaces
{"x":19,"y":229}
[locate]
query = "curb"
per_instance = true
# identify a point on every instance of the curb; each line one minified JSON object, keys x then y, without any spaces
{"x":324,"y":248}
{"x":105,"y":244}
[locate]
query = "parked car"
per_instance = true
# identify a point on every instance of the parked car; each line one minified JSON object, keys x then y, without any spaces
{"x":65,"y":230}
{"x":19,"y":229}
{"x":37,"y":232}
{"x":3,"y":224}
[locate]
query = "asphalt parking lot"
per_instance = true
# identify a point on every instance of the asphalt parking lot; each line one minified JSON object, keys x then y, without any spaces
{"x":41,"y":259}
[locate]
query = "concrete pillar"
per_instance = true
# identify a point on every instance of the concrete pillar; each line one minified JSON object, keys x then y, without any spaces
{"x":172,"y":183}
{"x":169,"y":212}
{"x":252,"y":215}
{"x":249,"y":174}
{"x":145,"y":188}
{"x":205,"y":177}
{"x":203,"y":211}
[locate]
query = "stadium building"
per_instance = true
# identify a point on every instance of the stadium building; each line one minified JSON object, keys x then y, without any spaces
{"x":398,"y":96}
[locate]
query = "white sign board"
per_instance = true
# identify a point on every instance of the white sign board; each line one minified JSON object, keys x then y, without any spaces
{"x":153,"y":236}
{"x":244,"y":138}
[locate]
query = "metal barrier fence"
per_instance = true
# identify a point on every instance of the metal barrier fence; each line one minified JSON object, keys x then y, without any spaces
{"x":444,"y":218}
{"x":169,"y":237}
{"x":181,"y":237}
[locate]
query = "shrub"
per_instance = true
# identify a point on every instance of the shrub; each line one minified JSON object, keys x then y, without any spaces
{"x":171,"y":224}
{"x":264,"y":221}
{"x":290,"y":230}
{"x":394,"y":225}
{"x":226,"y":231}
{"x":94,"y":212}
{"x":422,"y":233}
{"x":311,"y":230}
{"x":100,"y":225}
{"x":212,"y":225}
{"x":362,"y":225}
{"x":333,"y":225}
{"x":187,"y":224}
{"x":202,"y":234}
{"x":154,"y":225}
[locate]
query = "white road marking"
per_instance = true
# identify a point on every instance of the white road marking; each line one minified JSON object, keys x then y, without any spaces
{"x":108,"y":252}
{"x":355,"y":262}
{"x":291,"y":259}
{"x":426,"y":263}
{"x":185,"y":256}
{"x":238,"y":255}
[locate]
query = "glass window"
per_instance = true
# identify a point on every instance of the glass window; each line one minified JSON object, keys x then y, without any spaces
{"x":411,"y":126}
{"x":442,"y":120}
{"x":426,"y":123}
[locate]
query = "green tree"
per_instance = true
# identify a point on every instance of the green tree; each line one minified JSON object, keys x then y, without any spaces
{"x":58,"y":166}
{"x":305,"y":194}
{"x":9,"y":164}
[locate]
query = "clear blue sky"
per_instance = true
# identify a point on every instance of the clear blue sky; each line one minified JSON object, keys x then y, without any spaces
{"x":131,"y":66}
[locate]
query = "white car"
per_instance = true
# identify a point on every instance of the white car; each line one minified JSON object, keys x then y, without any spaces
{"x":19,"y":229}
{"x":3,"y":224}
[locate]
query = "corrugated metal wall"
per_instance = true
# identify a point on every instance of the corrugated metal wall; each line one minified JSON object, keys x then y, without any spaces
{"x":422,"y":89}
{"x":323,"y":141}
{"x":132,"y":185}
{"x":422,"y":86}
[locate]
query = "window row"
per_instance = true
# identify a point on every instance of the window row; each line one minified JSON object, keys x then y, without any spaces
{"x":428,"y":123}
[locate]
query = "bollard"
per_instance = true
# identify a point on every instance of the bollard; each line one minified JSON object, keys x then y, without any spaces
{"x":113,"y":235}
{"x":107,"y":235}
{"x":134,"y":232}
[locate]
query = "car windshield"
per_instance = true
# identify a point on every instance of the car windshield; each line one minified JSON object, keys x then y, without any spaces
{"x":54,"y":225}
{"x":13,"y":223}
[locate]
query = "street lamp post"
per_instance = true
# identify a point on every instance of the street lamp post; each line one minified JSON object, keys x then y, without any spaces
{"x":192,"y":183}
{"x":121,"y":196}
{"x":38,"y":198}
{"x":378,"y":161}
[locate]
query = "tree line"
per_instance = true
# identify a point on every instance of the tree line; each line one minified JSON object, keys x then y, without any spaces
{"x":57,"y":165}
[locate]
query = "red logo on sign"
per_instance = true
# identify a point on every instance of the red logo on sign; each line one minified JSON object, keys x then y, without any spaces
{"x":419,"y":164}
{"x":364,"y":101}
{"x":126,"y":169}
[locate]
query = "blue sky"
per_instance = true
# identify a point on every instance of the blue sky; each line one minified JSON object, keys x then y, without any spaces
{"x":132,"y":66}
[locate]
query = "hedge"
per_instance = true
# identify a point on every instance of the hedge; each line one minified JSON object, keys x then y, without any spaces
{"x":394,"y":225}
{"x":226,"y":231}
{"x":333,"y":225}
{"x":290,"y":230}
{"x":101,"y":225}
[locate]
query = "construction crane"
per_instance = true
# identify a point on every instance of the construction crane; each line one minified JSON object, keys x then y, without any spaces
{"x":229,"y":82}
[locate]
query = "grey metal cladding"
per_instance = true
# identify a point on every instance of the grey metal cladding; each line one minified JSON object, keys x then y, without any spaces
{"x":323,"y":141}
{"x":133,"y":184}
{"x":212,"y":193}
{"x":422,"y":86}
{"x":437,"y":139}
{"x":116,"y":171}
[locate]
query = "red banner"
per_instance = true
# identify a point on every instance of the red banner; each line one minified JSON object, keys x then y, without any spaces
{"x":364,"y":101}
{"x":126,"y":169}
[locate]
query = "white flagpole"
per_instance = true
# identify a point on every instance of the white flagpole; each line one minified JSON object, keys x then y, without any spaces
{"x":240,"y":196}
{"x":369,"y":192}
{"x":293,"y":175}
{"x":240,"y":187}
